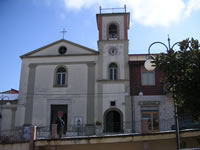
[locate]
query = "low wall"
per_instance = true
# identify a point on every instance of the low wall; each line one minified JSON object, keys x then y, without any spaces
{"x":15,"y":146}
{"x":157,"y":141}
{"x":149,"y":145}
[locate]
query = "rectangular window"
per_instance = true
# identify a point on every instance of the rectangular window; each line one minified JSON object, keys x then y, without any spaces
{"x":152,"y":117}
{"x":148,"y":78}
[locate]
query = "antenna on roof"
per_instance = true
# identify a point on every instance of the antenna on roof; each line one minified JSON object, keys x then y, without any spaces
{"x":100,"y":9}
{"x":125,"y":8}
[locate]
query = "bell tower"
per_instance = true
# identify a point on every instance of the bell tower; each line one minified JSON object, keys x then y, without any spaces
{"x":113,"y":70}
{"x":113,"y":26}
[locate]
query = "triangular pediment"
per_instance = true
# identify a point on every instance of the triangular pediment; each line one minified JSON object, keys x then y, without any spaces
{"x":52,"y":49}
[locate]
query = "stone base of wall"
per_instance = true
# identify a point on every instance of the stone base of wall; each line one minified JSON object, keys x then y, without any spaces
{"x":15,"y":146}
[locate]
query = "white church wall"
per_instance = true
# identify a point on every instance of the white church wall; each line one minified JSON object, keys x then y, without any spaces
{"x":76,"y":79}
{"x":20,"y":112}
{"x":45,"y":93}
{"x":76,"y":91}
{"x":23,"y":82}
{"x":79,"y":109}
{"x":40,"y":112}
{"x":20,"y":115}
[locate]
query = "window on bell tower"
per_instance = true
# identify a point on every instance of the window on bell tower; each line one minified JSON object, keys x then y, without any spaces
{"x":112,"y":33}
{"x":113,"y":71}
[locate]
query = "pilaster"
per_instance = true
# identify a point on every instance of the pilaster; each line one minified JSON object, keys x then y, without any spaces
{"x":30,"y":92}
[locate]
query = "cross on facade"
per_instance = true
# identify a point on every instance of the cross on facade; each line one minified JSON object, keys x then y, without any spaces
{"x":63,"y":32}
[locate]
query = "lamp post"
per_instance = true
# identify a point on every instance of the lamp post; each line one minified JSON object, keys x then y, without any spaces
{"x":150,"y":67}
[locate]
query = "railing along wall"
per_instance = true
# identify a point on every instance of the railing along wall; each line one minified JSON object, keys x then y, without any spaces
{"x":145,"y":126}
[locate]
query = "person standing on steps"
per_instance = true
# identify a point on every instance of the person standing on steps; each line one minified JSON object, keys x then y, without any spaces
{"x":60,"y":124}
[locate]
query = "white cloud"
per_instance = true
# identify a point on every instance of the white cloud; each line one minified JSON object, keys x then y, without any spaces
{"x":146,"y":12}
{"x":157,"y":12}
{"x":192,"y":5}
{"x":77,"y":4}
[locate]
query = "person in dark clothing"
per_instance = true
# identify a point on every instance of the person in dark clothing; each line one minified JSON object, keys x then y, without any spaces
{"x":60,"y":126}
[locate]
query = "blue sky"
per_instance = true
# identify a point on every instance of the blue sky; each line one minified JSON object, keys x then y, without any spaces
{"x":26,"y":25}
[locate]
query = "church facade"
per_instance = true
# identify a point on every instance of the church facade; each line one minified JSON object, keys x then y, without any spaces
{"x":84,"y":85}
{"x":108,"y":88}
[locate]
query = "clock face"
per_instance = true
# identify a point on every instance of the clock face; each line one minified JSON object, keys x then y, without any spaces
{"x":62,"y":50}
{"x":113,"y":51}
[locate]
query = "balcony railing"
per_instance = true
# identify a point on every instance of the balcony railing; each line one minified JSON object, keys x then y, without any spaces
{"x":50,"y":132}
{"x":138,"y":127}
{"x":112,"y":10}
{"x":14,"y":135}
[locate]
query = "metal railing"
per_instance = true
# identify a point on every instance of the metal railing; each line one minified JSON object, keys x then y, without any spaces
{"x":13,"y":136}
{"x":112,"y":10}
{"x":43,"y":132}
{"x":22,"y":134}
{"x":111,"y":129}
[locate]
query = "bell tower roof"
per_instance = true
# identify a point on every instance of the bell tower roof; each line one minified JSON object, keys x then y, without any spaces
{"x":113,"y":23}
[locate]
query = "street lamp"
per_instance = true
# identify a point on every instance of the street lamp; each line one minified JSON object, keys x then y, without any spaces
{"x":150,"y":66}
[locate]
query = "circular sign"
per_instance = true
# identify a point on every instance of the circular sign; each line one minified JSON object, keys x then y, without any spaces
{"x":149,"y":65}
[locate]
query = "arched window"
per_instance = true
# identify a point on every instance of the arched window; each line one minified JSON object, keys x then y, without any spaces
{"x":61,"y":76}
{"x":113,"y":71}
{"x":113,"y":31}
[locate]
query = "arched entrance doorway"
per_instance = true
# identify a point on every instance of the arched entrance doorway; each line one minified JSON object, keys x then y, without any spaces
{"x":113,"y":121}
